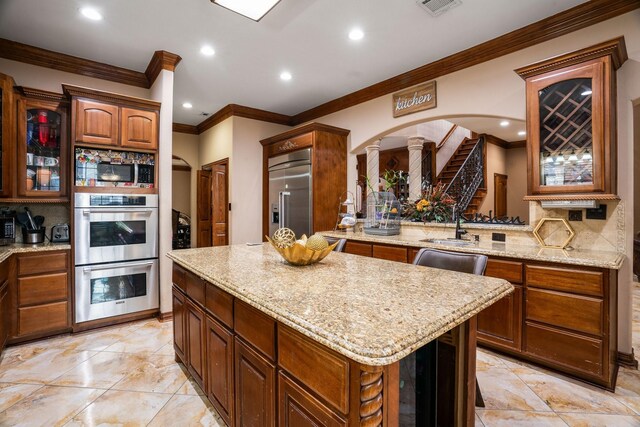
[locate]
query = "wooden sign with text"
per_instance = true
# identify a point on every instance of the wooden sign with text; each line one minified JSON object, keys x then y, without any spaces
{"x":417,"y":98}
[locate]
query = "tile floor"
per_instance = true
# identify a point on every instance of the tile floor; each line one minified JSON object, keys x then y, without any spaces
{"x":127,"y":376}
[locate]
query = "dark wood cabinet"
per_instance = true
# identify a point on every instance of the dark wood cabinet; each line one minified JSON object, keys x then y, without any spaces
{"x":7,"y":128}
{"x":571,"y":121}
{"x":255,"y":379}
{"x":111,"y":120}
{"x":328,"y":146}
{"x":299,"y":408}
{"x":4,"y":312}
{"x":220,"y":369}
{"x":196,"y":343}
{"x":42,"y":295}
{"x":179,"y":325}
{"x":357,"y":248}
{"x":391,"y":253}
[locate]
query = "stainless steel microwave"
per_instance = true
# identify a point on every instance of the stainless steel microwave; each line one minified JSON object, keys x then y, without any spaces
{"x":132,"y":174}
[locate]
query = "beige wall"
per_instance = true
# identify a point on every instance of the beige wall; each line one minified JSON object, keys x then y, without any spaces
{"x":517,"y":183}
{"x":181,"y":191}
{"x":187,"y":147}
{"x":493,"y":89}
{"x":496,"y":163}
{"x":51,"y":80}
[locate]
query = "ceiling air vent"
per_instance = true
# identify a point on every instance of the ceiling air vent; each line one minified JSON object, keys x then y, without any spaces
{"x":438,"y":7}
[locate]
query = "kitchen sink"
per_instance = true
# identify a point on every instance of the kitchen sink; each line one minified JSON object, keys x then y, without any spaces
{"x":449,"y":242}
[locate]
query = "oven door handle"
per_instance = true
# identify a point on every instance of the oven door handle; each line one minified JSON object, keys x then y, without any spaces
{"x":100,"y":211}
{"x":111,"y":266}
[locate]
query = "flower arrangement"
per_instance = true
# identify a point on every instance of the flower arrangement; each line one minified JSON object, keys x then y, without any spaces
{"x":433,"y":205}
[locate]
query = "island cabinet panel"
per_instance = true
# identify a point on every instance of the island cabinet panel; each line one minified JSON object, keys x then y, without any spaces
{"x":220,"y":368}
{"x":357,"y":248}
{"x":220,"y":304}
{"x":96,"y":122}
{"x":255,"y":381}
{"x":299,"y":408}
{"x":391,"y":253}
{"x":196,"y":343}
{"x":323,"y":371}
{"x":179,"y":325}
{"x":256,"y":328}
{"x":4,"y":312}
{"x":179,"y":277}
{"x":500,"y":325}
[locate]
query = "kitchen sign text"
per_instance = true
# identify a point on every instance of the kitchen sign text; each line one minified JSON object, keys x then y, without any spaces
{"x":417,"y":98}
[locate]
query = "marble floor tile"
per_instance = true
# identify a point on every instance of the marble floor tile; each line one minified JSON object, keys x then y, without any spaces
{"x":600,"y":420}
{"x":501,"y":389}
{"x":630,"y":402}
{"x":11,"y":394}
{"x":478,"y":422}
{"x":157,"y":373}
{"x":49,"y":406}
{"x":122,"y":408}
{"x":566,"y":395}
{"x":95,"y":340}
{"x":13,"y":356}
{"x":103,"y":370}
{"x":498,"y":418}
{"x":45,"y":367}
{"x":486,"y":359}
{"x":145,"y":339}
{"x":194,"y":411}
{"x":190,"y":388}
{"x":166,"y":349}
{"x":628,"y":383}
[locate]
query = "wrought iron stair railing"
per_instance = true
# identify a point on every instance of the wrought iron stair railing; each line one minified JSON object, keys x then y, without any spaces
{"x":469,"y":177}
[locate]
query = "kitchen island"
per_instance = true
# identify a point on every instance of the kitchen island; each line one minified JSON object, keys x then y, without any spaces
{"x":269,"y":342}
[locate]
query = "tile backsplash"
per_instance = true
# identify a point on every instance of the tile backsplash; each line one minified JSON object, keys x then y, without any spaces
{"x":53,"y":214}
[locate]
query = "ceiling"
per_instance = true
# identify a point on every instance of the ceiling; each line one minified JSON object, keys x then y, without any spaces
{"x":308,"y":38}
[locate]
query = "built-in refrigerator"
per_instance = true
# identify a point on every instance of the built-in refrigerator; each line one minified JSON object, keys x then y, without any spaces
{"x":290,"y":195}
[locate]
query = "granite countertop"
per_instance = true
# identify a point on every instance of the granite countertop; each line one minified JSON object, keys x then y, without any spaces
{"x":7,"y":251}
{"x":588,"y":258}
{"x":372,"y":311}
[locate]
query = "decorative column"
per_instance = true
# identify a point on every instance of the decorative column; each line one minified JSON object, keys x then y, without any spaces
{"x":373,"y":166}
{"x":414,"y":144}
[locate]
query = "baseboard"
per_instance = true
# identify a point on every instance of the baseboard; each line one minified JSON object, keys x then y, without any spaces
{"x":627,"y":360}
{"x":165,"y":317}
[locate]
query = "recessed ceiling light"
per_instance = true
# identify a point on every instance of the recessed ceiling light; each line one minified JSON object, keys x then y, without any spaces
{"x":91,"y":13}
{"x":187,"y":105}
{"x":504,"y":123}
{"x":522,"y":133}
{"x":356,"y":34}
{"x":207,"y":50}
{"x":254,"y":9}
{"x":285,"y":75}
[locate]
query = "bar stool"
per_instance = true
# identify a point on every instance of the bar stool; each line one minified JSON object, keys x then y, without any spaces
{"x":463,"y":263}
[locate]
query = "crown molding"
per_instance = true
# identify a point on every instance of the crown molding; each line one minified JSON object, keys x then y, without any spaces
{"x":114,"y":98}
{"x":42,"y":95}
{"x":565,"y":22}
{"x":300,"y":130}
{"x":71,"y":64}
{"x":161,"y":60}
{"x":616,"y":48}
{"x":242,"y":111}
{"x":182,"y":128}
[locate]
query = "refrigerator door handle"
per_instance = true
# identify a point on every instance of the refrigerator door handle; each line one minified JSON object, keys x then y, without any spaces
{"x":281,"y":196}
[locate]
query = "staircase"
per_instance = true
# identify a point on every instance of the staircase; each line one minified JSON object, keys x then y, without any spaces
{"x":453,"y":166}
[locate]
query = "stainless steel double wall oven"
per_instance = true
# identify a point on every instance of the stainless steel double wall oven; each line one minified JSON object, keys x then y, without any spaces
{"x":116,"y":254}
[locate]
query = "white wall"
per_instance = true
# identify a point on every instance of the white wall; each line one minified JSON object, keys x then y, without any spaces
{"x":493,"y":89}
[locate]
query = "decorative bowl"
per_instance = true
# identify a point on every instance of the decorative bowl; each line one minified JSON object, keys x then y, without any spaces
{"x":297,"y":254}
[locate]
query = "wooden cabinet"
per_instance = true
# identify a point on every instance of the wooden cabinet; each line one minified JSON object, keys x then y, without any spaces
{"x":391,"y":253}
{"x":357,"y":248}
{"x":7,"y":126}
{"x":220,"y":369}
{"x":196,"y":342}
{"x":179,"y":325}
{"x":106,"y":119}
{"x":571,"y":121}
{"x":500,"y":325}
{"x":328,"y":146}
{"x":42,"y":145}
{"x":5,"y":304}
{"x":255,"y":380}
{"x":42,"y":295}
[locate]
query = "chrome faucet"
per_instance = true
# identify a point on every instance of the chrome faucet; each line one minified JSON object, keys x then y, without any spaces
{"x":459,"y":231}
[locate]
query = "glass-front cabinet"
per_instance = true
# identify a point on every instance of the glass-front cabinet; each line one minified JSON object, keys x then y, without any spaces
{"x":571,"y":122}
{"x":42,"y":145}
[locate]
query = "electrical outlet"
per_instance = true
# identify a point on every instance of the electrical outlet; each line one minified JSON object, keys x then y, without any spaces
{"x":498,"y":237}
{"x":575,"y":215}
